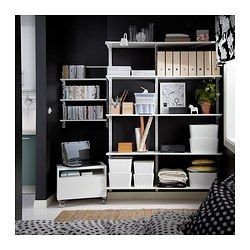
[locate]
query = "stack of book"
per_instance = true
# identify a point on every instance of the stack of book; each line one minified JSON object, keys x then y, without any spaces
{"x":81,"y":92}
{"x":73,"y":71}
{"x":82,"y":112}
{"x":177,"y":38}
{"x":119,"y":70}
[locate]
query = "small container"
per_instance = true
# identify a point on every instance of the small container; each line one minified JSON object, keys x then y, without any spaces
{"x":204,"y":146}
{"x":120,"y":180}
{"x":201,"y":180}
{"x":145,"y":98}
{"x":128,"y":108}
{"x":204,"y":131}
{"x":117,"y":165}
{"x":144,"y":167}
{"x":116,"y":109}
{"x":144,"y":108}
{"x":143,"y":180}
{"x":132,"y":33}
{"x":125,"y":147}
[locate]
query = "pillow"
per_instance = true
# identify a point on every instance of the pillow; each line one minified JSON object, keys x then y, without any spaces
{"x":206,"y":169}
{"x":203,"y":162}
{"x":216,"y":215}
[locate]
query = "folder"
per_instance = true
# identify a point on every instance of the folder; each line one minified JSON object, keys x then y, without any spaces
{"x":169,"y":63}
{"x":176,"y":63}
{"x":208,"y":63}
{"x":192,"y":63}
{"x":200,"y":63}
{"x":161,"y":63}
{"x":184,"y":63}
{"x":215,"y":68}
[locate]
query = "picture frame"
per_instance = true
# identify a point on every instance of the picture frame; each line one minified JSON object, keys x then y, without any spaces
{"x":172,"y":94}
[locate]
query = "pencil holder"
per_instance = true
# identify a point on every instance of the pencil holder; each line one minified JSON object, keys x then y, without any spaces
{"x":116,"y":109}
{"x":127,"y":107}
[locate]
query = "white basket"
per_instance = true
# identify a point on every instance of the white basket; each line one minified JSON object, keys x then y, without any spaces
{"x":201,"y":180}
{"x":120,"y":180}
{"x":144,"y":167}
{"x":117,"y":165}
{"x":143,"y":180}
{"x":203,"y":146}
{"x":144,"y":108}
{"x":204,"y":131}
{"x":145,"y":98}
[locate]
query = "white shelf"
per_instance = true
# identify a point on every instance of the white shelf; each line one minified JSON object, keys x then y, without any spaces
{"x":83,"y":79}
{"x":115,"y":153}
{"x":156,"y":188}
{"x":164,"y":115}
{"x":83,"y":100}
{"x":94,"y":120}
{"x":116,"y":44}
{"x":163,"y":77}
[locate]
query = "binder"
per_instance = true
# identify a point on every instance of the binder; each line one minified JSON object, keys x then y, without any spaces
{"x":176,"y":63}
{"x":200,"y":63}
{"x":192,"y":63}
{"x":169,"y":63}
{"x":184,"y":63}
{"x":215,"y":68}
{"x":208,"y":63}
{"x":161,"y":63}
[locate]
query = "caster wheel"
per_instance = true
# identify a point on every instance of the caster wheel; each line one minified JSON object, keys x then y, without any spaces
{"x":61,"y":203}
{"x":104,"y":200}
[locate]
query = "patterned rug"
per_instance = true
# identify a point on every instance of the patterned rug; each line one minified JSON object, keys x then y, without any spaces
{"x":112,"y":214}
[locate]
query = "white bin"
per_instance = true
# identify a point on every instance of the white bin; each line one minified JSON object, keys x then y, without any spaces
{"x":201,"y":180}
{"x":120,"y":180}
{"x":146,"y":98}
{"x":143,"y":180}
{"x":144,"y":167}
{"x":144,"y":108}
{"x":203,"y":146}
{"x":117,"y":165}
{"x":204,"y":131}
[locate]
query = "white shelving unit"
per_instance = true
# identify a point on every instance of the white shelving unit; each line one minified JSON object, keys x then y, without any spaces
{"x":156,"y":79}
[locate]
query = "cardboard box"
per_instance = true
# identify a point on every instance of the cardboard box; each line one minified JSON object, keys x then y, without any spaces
{"x":125,"y":147}
{"x":128,"y":108}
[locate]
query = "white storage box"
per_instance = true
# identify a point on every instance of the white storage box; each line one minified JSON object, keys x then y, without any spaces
{"x":117,"y":165}
{"x":143,"y":180}
{"x":120,"y":180}
{"x":144,"y":108}
{"x":201,"y":180}
{"x":204,"y":131}
{"x":203,"y":146}
{"x":145,"y":98}
{"x":144,"y":167}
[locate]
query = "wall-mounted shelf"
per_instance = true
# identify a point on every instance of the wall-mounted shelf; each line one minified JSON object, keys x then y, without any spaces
{"x":163,"y":77}
{"x":115,"y":153}
{"x":117,"y":45}
{"x":83,"y":100}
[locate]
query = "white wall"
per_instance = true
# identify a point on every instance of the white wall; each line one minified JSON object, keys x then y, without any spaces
{"x":28,"y":61}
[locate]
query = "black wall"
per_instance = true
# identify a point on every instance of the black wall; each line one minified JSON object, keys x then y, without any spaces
{"x":81,"y":40}
{"x":18,"y":121}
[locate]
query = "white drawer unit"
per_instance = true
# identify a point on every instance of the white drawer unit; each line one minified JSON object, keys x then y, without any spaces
{"x":81,"y":182}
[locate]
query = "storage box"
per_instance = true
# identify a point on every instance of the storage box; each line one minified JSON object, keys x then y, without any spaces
{"x":204,"y":146}
{"x":120,"y":180}
{"x":178,"y":110}
{"x":144,"y":167}
{"x":145,"y":108}
{"x":115,"y":110}
{"x":201,"y":180}
{"x":204,"y":131}
{"x":117,"y":165}
{"x":173,"y":148}
{"x":145,"y":98}
{"x":128,"y":108}
{"x":125,"y":147}
{"x":143,"y":180}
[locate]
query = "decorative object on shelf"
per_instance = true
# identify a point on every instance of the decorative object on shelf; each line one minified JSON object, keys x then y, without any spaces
{"x":178,"y":110}
{"x":145,"y":134}
{"x":151,"y":32}
{"x":141,"y":37}
{"x":132,"y":33}
{"x":125,"y":147}
{"x":73,"y":71}
{"x":173,"y":148}
{"x":128,"y":108}
{"x":207,"y":95}
{"x":124,"y":40}
{"x":193,"y":110}
{"x":177,"y":38}
{"x":172,"y":94}
{"x":225,"y":38}
{"x":202,"y":35}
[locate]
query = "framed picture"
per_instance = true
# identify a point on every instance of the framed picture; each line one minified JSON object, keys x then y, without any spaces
{"x":172,"y":94}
